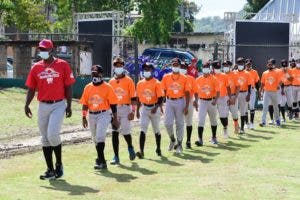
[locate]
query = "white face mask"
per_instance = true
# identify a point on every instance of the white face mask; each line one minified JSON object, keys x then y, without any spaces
{"x":96,"y":79}
{"x":206,"y":70}
{"x":119,"y":70}
{"x":240,"y":67}
{"x":298,"y":65}
{"x":175,"y":69}
{"x":147,"y":74}
{"x":226,"y":69}
{"x":182,"y":71}
{"x":217,"y":71}
{"x":44,"y":55}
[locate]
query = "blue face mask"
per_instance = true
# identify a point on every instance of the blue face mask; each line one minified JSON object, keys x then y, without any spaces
{"x":147,"y":74}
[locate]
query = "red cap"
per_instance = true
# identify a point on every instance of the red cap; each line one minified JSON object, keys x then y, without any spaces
{"x":194,"y":60}
{"x":46,"y":44}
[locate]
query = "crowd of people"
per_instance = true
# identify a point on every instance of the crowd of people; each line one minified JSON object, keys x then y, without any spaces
{"x":223,"y":88}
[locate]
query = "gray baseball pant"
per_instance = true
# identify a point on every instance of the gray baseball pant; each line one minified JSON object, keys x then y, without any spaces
{"x":223,"y":108}
{"x":270,"y":98}
{"x":98,"y":125}
{"x":122,"y":112}
{"x":205,"y":107}
{"x":234,"y":109}
{"x":242,"y":103}
{"x":147,"y":117}
{"x":189,"y":116}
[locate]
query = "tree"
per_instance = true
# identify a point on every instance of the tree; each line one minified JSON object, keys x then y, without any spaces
{"x":157,"y":21}
{"x":253,"y":6}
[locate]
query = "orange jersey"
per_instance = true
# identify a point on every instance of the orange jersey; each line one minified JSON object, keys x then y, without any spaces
{"x":271,"y":80}
{"x":222,"y":80}
{"x":148,"y":92}
{"x":232,"y":81}
{"x":243,"y":78}
{"x":124,"y":89}
{"x":175,"y":85}
{"x":191,"y":81}
{"x":284,"y":76}
{"x":206,"y":87}
{"x":254,"y":78}
{"x":98,"y":98}
{"x":296,"y":76}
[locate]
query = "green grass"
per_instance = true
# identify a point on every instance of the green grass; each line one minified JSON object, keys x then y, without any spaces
{"x":13,"y":120}
{"x":264,"y":164}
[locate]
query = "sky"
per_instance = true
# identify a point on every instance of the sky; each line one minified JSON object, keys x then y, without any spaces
{"x":218,"y":7}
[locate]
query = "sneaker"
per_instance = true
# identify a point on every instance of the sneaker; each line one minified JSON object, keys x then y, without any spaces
{"x":171,"y":145}
{"x":48,"y":175}
{"x":115,"y":160}
{"x":278,"y":123}
{"x":263,"y":124}
{"x":225,"y":131}
{"x":290,"y":116}
{"x":214,"y":140}
{"x":188,"y":145}
{"x":179,"y":149}
{"x":271,"y":122}
{"x":59,"y":171}
{"x":158,"y":152}
{"x":251,"y":126}
{"x":140,"y":155}
{"x":242,"y":132}
{"x":101,"y":165}
{"x":199,"y":143}
{"x":131,"y":153}
{"x":247,"y":126}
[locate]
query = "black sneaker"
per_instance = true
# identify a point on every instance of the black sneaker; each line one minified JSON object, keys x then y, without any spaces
{"x":188,"y":145}
{"x":158,"y":152}
{"x":140,"y":155}
{"x":48,"y":175}
{"x":131,"y":153}
{"x":199,"y":143}
{"x":101,"y":165}
{"x":59,"y":170}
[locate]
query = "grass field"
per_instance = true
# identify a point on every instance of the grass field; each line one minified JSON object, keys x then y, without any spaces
{"x":263,"y":164}
{"x":13,"y":120}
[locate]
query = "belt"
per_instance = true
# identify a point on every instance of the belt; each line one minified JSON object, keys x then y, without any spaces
{"x":174,"y":98}
{"x":233,"y":94}
{"x":209,"y":99}
{"x":97,"y":112}
{"x":149,"y":105}
{"x":244,"y":91}
{"x":51,"y":101}
{"x":123,"y":104}
{"x":296,"y":85}
{"x":287,"y":85}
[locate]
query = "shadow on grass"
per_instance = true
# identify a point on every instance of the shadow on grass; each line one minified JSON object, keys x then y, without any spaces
{"x":232,"y":144}
{"x":288,"y":126}
{"x":225,"y":147}
{"x":264,"y":131}
{"x":203,"y":152}
{"x":243,"y":139}
{"x":118,"y":177}
{"x":63,"y":185}
{"x":258,"y":136}
{"x":136,"y":168}
{"x":192,"y":157}
{"x":165,"y":160}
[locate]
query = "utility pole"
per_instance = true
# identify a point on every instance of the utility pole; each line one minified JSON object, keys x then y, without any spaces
{"x":182,"y":18}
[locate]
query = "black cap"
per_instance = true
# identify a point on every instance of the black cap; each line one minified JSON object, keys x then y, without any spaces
{"x":272,"y":61}
{"x":206,"y":64}
{"x":228,"y":62}
{"x":148,"y":65}
{"x":184,"y":65}
{"x":176,"y":60}
{"x":216,"y":64}
{"x":284,"y":62}
{"x":240,"y":60}
{"x":97,"y":68}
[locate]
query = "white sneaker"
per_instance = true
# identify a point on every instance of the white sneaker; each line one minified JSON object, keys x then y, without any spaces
{"x":247,"y":126}
{"x":171,"y":145}
{"x":179,"y":149}
{"x":271,"y":122}
{"x":251,"y":126}
{"x":225,"y":131}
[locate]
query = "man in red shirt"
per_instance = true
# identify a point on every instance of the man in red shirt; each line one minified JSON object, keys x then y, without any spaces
{"x":52,"y":78}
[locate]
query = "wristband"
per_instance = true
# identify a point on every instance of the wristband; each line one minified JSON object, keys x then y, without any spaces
{"x":84,"y":113}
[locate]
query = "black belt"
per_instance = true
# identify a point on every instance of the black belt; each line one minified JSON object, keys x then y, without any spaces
{"x":296,"y":85}
{"x":209,"y":99}
{"x":286,"y":85}
{"x":174,"y":98}
{"x":51,"y":101}
{"x":123,"y":104}
{"x":233,"y":94}
{"x":149,"y":105}
{"x":97,"y":112}
{"x":244,"y":91}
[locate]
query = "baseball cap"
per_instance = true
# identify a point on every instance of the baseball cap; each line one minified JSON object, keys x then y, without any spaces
{"x":118,"y":60}
{"x":148,"y":65}
{"x":216,"y":64}
{"x":97,"y":69}
{"x":46,"y":44}
{"x":240,"y":60}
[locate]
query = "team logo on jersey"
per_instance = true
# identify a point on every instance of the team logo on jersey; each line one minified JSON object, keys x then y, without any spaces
{"x":176,"y":87}
{"x":120,"y":93}
{"x":270,"y":80}
{"x":241,"y":80}
{"x":206,"y":89}
{"x":95,"y":100}
{"x":148,"y":94}
{"x":49,"y":74}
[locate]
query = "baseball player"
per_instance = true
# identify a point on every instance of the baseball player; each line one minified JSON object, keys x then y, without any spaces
{"x":224,"y":99}
{"x":189,"y":117}
{"x":206,"y":96}
{"x":296,"y":88}
{"x":124,"y":88}
{"x":97,"y":99}
{"x":254,"y":79}
{"x":149,"y":98}
{"x":270,"y":82}
{"x":286,"y":92}
{"x":234,"y":89}
{"x":244,"y":82}
{"x":177,"y":103}
{"x":52,"y":78}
